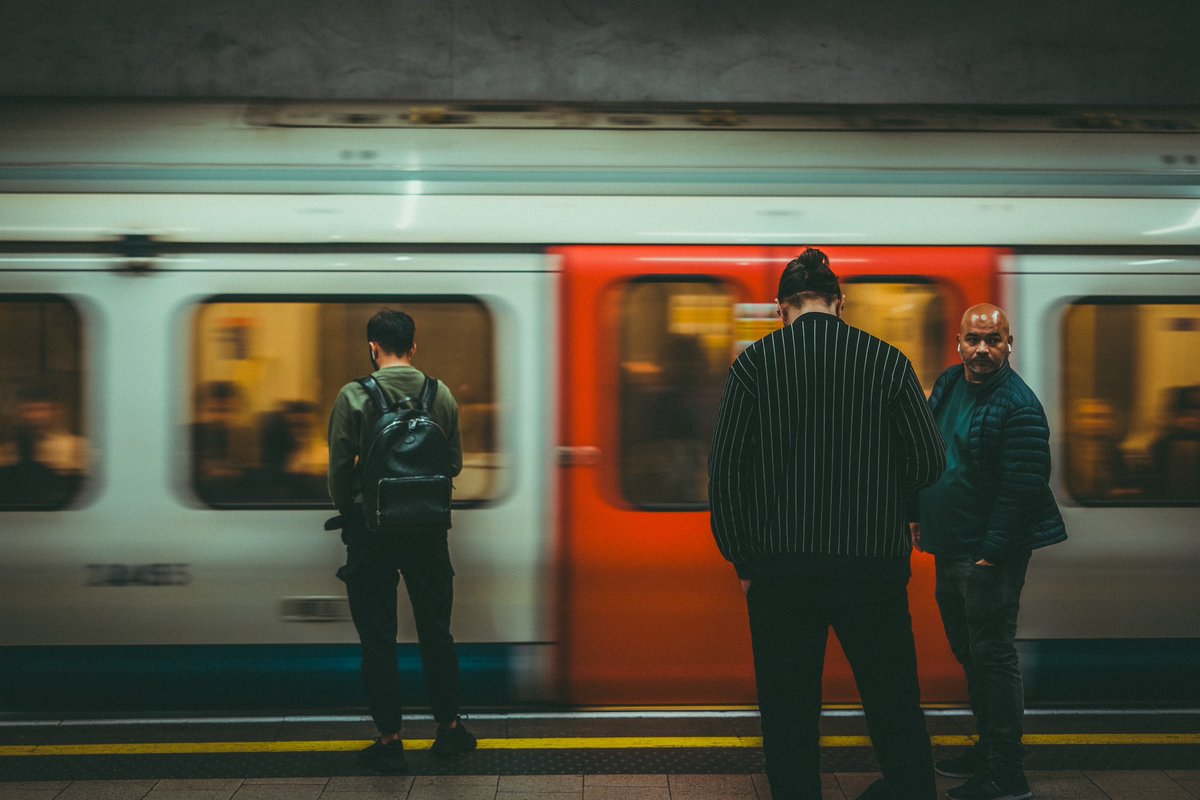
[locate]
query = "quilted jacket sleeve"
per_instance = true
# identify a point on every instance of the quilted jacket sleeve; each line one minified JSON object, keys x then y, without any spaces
{"x":1023,"y":473}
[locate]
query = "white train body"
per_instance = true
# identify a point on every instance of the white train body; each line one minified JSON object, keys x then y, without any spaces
{"x":137,"y":215}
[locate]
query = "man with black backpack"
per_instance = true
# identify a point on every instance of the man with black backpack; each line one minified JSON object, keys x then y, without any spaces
{"x":394,"y":445}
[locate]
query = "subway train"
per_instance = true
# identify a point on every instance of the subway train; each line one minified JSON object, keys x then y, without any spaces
{"x":184,"y":287}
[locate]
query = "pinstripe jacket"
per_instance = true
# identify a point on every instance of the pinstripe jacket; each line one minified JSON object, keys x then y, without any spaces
{"x":822,"y":434}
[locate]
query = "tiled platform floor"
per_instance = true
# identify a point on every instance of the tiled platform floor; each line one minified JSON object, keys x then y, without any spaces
{"x":1065,"y":785}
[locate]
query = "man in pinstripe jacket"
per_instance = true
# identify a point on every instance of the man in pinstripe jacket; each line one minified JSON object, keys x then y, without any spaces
{"x":822,"y":432}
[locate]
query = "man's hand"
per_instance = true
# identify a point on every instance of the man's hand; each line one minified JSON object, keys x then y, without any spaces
{"x":745,"y":585}
{"x":914,"y":533}
{"x":983,"y":562}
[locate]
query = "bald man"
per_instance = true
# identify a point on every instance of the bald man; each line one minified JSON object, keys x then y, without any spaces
{"x":990,"y":509}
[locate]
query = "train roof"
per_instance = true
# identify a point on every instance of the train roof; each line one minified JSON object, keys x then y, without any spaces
{"x":648,"y":116}
{"x":333,"y":172}
{"x":379,"y":148}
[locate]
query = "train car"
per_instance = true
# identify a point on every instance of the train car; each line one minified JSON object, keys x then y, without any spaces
{"x":184,"y":288}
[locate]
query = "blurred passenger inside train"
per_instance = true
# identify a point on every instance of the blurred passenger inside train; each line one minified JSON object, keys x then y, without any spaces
{"x":981,"y":520}
{"x":222,"y":448}
{"x":476,"y":418}
{"x":669,"y":422}
{"x":1177,"y":451}
{"x":293,"y":458}
{"x":1096,"y":465}
{"x":43,"y":464}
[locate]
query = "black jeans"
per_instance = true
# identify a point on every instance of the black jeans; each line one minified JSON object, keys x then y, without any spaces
{"x":374,"y":563}
{"x":789,"y":621}
{"x":979,"y":608}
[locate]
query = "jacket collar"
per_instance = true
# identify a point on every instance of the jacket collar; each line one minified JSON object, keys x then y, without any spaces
{"x":988,"y":386}
{"x":818,"y":315}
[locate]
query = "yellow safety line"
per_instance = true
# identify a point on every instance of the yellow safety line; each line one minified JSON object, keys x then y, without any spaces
{"x":620,"y":742}
{"x":681,"y":708}
{"x":562,"y":743}
{"x":1110,"y":738}
{"x":742,"y":707}
{"x":184,"y":748}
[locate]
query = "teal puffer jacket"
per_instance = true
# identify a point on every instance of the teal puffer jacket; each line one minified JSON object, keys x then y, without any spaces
{"x":1008,"y":442}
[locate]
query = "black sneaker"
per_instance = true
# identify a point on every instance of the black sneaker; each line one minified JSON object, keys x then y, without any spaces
{"x":993,"y":786}
{"x":967,"y":765}
{"x":453,"y":741}
{"x":879,"y":790}
{"x":382,"y":757}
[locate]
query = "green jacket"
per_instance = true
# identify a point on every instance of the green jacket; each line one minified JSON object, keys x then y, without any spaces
{"x":353,"y":420}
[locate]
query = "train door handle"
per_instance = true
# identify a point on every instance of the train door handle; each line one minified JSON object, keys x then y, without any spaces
{"x":585,"y":456}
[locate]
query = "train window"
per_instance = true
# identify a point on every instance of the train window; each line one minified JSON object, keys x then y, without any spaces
{"x":907,"y":314}
{"x":43,"y":447}
{"x":1131,"y":381}
{"x":265,"y":373}
{"x":676,"y":340}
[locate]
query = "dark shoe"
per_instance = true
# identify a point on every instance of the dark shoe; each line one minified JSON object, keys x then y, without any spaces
{"x":992,"y":786}
{"x":879,"y":790}
{"x":384,"y":757}
{"x":967,"y":765}
{"x":453,"y":741}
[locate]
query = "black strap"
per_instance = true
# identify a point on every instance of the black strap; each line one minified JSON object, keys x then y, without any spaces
{"x":375,"y":392}
{"x":428,"y":392}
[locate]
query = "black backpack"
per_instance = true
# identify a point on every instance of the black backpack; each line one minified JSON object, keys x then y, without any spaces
{"x":406,"y":469}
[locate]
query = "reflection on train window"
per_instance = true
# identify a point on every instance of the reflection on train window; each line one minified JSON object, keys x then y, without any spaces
{"x":265,"y":373}
{"x":43,"y":450}
{"x":908,"y":315}
{"x":1131,"y":373}
{"x":676,"y":343}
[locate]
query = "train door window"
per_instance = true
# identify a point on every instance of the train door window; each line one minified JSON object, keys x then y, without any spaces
{"x":43,"y":445}
{"x":1131,"y":381}
{"x":265,"y":373}
{"x":675,"y":346}
{"x":907,"y":313}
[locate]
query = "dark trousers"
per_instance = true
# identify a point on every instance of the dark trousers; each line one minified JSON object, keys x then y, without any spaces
{"x":789,"y":622}
{"x":979,"y":608}
{"x":374,"y":563}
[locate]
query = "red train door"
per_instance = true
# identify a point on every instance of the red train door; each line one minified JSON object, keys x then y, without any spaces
{"x":650,"y":612}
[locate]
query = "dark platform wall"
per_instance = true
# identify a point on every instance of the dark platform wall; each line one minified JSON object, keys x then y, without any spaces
{"x":824,"y":51}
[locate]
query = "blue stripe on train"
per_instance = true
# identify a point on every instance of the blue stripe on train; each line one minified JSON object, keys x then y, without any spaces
{"x":225,"y":677}
{"x":294,"y":678}
{"x":1158,"y":672}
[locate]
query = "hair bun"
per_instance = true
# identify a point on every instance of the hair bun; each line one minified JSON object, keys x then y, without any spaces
{"x":813,"y":261}
{"x":809,"y":273}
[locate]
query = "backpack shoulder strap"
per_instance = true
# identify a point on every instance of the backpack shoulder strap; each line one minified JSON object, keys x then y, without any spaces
{"x":428,"y":393}
{"x":375,"y":392}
